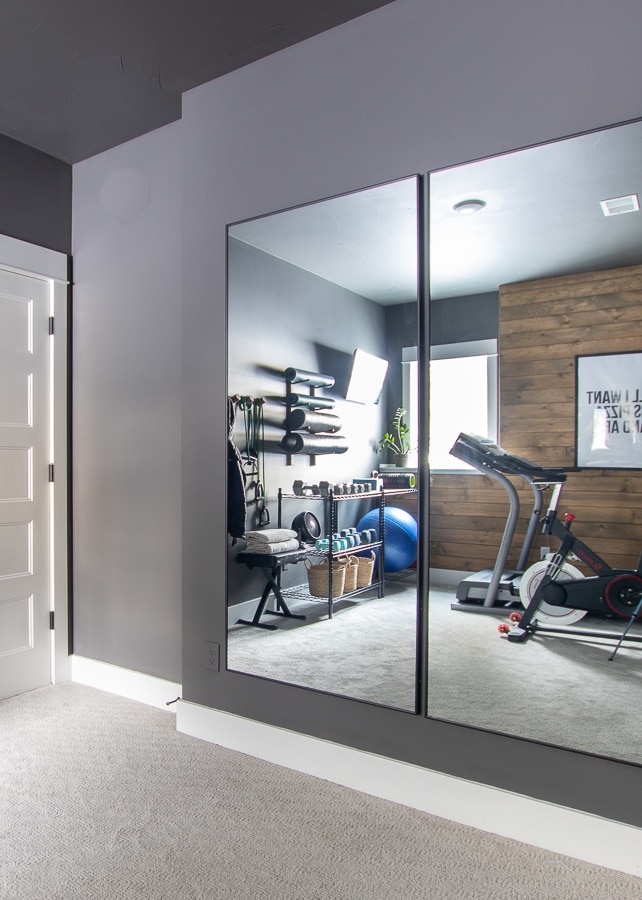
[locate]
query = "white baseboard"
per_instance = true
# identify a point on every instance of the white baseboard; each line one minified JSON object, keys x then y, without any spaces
{"x":580,"y":835}
{"x":124,"y":682}
{"x":570,"y":832}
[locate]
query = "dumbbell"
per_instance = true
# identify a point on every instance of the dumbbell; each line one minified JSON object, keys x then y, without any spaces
{"x":322,"y":489}
{"x":335,"y":545}
{"x":302,"y":490}
{"x":369,"y":484}
{"x":352,"y":536}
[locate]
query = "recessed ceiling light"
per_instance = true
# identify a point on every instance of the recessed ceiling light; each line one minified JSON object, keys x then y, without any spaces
{"x":469,"y":207}
{"x":616,"y":206}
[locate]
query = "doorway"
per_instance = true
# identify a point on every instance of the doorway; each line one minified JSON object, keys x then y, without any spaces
{"x":33,"y":451}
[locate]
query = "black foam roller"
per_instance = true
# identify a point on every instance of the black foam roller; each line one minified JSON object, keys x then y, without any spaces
{"x":313,"y":444}
{"x":314,"y":379}
{"x":315,"y":422}
{"x":309,"y":402}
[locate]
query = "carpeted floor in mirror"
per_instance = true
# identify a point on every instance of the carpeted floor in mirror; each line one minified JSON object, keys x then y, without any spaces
{"x":558,"y":689}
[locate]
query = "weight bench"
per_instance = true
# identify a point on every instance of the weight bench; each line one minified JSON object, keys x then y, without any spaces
{"x":272,"y":565}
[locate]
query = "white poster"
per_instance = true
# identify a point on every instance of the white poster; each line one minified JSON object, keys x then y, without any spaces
{"x":609,"y":411}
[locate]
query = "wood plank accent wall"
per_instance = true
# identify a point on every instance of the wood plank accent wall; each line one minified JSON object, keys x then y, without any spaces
{"x":544,"y":325}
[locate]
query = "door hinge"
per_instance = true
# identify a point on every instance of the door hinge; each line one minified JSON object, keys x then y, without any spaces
{"x":51,"y":619}
{"x":51,"y":471}
{"x":51,"y":324}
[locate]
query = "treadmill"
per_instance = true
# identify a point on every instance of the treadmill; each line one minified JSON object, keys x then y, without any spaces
{"x":496,"y":591}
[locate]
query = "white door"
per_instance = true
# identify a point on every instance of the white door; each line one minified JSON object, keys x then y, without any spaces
{"x":25,"y":454}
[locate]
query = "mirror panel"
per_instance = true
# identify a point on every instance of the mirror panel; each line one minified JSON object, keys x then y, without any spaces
{"x":540,"y":270}
{"x":307,"y":288}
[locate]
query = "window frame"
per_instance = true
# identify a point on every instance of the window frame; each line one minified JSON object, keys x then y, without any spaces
{"x":459,"y":350}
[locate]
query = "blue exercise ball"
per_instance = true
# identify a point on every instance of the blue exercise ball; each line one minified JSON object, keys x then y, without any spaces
{"x":400,"y":550}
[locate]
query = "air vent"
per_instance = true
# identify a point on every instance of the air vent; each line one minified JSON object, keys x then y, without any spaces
{"x":616,"y":206}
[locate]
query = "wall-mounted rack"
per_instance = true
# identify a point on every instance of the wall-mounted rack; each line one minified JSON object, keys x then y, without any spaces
{"x":309,"y":428}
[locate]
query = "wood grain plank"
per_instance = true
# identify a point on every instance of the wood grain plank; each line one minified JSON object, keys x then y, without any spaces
{"x":544,"y":325}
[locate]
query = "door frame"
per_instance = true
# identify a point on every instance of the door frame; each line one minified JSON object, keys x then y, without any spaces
{"x":39,"y":262}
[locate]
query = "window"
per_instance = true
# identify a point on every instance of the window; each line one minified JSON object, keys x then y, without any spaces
{"x":410,"y":399}
{"x":463,"y":396}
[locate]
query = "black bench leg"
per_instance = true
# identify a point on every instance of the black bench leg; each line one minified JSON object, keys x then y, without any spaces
{"x":282,"y":609}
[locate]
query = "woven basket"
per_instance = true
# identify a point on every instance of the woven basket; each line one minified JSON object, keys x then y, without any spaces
{"x":318,"y":580}
{"x":366,"y":568}
{"x":352,"y":575}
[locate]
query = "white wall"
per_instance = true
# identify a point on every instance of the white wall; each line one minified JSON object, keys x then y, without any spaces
{"x":126,"y":405}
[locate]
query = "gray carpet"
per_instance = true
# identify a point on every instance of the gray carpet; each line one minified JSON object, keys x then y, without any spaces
{"x":366,"y":651}
{"x":558,"y":690}
{"x":102,"y":798}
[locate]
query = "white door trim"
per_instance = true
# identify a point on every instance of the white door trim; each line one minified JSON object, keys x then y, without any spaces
{"x":29,"y":259}
{"x":50,"y":265}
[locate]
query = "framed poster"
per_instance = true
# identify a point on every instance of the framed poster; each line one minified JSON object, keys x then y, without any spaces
{"x":608,"y":421}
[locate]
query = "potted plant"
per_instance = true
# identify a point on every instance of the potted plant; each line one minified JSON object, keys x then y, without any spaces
{"x":397,"y":440}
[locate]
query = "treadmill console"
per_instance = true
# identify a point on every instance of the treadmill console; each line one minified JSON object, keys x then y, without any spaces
{"x":482,"y":453}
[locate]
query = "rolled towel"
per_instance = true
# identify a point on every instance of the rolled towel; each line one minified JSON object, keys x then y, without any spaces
{"x":275,"y":547}
{"x":270,"y":535}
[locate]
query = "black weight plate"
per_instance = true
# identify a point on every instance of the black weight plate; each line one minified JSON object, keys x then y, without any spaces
{"x":622,"y":595}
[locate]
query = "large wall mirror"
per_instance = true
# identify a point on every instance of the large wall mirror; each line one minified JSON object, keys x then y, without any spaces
{"x":322,"y":519}
{"x":535,"y":261}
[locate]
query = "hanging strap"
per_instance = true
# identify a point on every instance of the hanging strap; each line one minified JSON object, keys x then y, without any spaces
{"x":259,"y":436}
{"x":247,"y":408}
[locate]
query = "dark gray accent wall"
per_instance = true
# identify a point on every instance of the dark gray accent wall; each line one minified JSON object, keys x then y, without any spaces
{"x":35,"y":196}
{"x":401,"y":331}
{"x":451,"y":321}
{"x":464,"y":319}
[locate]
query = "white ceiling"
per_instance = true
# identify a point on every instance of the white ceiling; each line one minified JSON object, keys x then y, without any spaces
{"x":543,"y":215}
{"x":542,"y":218}
{"x":366,"y":242}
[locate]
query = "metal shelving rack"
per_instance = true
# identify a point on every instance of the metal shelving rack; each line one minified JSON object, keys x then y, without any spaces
{"x":331,"y":503}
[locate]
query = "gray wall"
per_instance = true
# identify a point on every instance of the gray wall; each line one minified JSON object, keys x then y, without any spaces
{"x":409,"y":88}
{"x":126,"y":405}
{"x":473,"y":318}
{"x":401,"y":331}
{"x":36,"y":196}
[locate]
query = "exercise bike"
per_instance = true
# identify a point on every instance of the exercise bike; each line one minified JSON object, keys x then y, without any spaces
{"x":556,"y":595}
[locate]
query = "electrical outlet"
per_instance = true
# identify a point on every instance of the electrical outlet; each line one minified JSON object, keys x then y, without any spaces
{"x":212,"y":656}
{"x":543,"y":552}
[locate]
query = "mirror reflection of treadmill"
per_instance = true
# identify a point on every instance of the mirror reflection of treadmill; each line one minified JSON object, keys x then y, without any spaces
{"x":496,"y":591}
